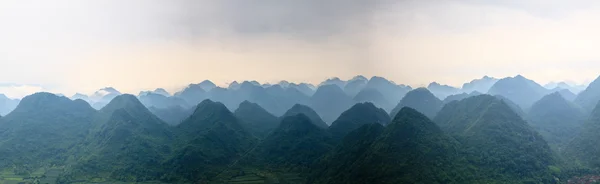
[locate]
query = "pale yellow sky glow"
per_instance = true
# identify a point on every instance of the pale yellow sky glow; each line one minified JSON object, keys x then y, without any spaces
{"x":70,"y":46}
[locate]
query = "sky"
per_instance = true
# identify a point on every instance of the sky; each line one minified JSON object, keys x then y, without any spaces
{"x":68,"y":46}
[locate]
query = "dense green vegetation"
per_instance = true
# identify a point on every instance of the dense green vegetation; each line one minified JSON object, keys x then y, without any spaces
{"x":556,"y":119}
{"x":584,"y":148}
{"x":210,"y":140}
{"x":472,"y":139}
{"x":335,"y":164}
{"x":412,"y":149}
{"x":41,"y":132}
{"x":358,"y":115}
{"x":294,"y":146}
{"x":496,"y":140}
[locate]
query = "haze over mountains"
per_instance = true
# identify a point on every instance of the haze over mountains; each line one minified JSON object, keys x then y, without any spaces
{"x":356,"y":131}
{"x":276,"y":97}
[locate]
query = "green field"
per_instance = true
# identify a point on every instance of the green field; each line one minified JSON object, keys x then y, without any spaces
{"x":252,"y":176}
{"x":42,"y":176}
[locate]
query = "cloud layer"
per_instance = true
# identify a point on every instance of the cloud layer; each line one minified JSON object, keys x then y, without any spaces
{"x":143,"y":44}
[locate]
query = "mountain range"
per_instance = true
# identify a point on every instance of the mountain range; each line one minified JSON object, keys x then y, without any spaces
{"x":341,"y":132}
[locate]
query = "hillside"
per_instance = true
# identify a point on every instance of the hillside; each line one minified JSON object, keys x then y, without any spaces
{"x":209,"y":140}
{"x":496,"y":139}
{"x":41,"y":131}
{"x":584,"y":150}
{"x":557,"y":119}
{"x":357,"y":116}
{"x":294,"y":146}
{"x":255,"y":119}
{"x":412,"y":149}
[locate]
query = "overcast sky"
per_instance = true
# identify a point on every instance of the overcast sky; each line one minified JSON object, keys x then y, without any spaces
{"x":70,"y":46}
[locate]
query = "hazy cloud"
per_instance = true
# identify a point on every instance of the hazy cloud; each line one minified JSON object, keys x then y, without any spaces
{"x":17,"y":91}
{"x":81,"y":46}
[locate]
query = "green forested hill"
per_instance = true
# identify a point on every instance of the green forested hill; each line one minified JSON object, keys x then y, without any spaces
{"x":557,"y":119}
{"x":412,"y":149}
{"x":496,"y":140}
{"x":132,"y":135}
{"x":209,"y":140}
{"x":41,"y":131}
{"x":295,"y":145}
{"x":584,"y":149}
{"x":479,"y":139}
{"x":358,"y":115}
{"x":335,"y":166}
{"x":256,"y":119}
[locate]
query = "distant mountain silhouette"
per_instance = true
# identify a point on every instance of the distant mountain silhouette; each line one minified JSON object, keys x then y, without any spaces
{"x":152,"y":99}
{"x":355,"y":85}
{"x":574,"y":88}
{"x":81,"y":96}
{"x":285,"y":98}
{"x":257,"y":94}
{"x":192,"y":94}
{"x":420,"y":99}
{"x":7,"y":104}
{"x":375,"y":97}
{"x":334,"y":81}
{"x":307,"y":89}
{"x":225,"y":96}
{"x":161,"y":91}
{"x":358,"y":115}
{"x":330,"y":101}
{"x":442,"y":91}
{"x":589,"y":98}
{"x":388,"y":89}
{"x":207,"y":85}
{"x":522,"y":91}
{"x":103,"y":96}
{"x":234,"y":85}
{"x":173,"y":115}
{"x":565,"y":93}
{"x":482,"y":85}
{"x":458,"y":97}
